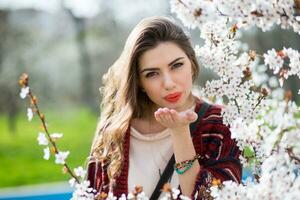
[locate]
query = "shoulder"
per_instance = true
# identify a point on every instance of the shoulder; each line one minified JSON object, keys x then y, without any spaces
{"x":212,"y":121}
{"x":213,"y":113}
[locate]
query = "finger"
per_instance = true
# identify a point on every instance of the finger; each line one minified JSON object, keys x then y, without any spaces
{"x":165,"y":115}
{"x":157,"y":114}
{"x":168,"y":116}
{"x":174,"y":115}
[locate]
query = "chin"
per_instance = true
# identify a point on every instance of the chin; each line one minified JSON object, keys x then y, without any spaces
{"x":176,"y":106}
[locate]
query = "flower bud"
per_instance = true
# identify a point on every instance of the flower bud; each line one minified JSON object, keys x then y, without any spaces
{"x":42,"y":116}
{"x":257,"y":14}
{"x":137,"y":190}
{"x":247,"y":73}
{"x":216,"y":182}
{"x":197,"y":12}
{"x":52,"y":150}
{"x":34,"y":100}
{"x":297,"y":4}
{"x":23,"y":80}
{"x":234,"y":28}
{"x":252,"y":55}
{"x":288,"y":95}
{"x":281,"y":54}
{"x":264,"y":92}
{"x":65,"y":170}
{"x":167,"y":187}
{"x":101,"y":196}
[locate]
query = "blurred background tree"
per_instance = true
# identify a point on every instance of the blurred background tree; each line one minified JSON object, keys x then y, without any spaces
{"x":66,"y":46}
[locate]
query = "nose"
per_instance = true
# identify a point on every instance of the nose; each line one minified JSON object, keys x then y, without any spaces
{"x":168,"y":82}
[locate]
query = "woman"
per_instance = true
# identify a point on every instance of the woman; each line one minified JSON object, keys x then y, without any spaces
{"x":146,"y":112}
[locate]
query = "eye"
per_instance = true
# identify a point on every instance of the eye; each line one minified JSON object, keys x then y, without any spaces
{"x":151,"y":74}
{"x":176,"y":65}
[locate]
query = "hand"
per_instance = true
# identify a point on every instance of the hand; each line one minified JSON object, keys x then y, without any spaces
{"x":172,"y":119}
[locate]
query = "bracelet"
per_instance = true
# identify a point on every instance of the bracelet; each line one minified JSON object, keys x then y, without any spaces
{"x":185,"y":169}
{"x":186,"y":165}
{"x":186,"y":162}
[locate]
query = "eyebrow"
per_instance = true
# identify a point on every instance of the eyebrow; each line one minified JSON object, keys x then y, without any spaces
{"x":153,"y":68}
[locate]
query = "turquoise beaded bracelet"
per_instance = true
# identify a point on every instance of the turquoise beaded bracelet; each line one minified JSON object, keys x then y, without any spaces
{"x":187,"y":167}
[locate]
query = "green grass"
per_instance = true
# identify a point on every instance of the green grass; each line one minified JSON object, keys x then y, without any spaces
{"x":21,"y":158}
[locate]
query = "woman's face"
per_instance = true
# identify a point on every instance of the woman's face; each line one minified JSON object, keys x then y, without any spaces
{"x":166,"y":76}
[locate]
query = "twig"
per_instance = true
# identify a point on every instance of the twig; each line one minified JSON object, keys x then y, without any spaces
{"x":24,"y":83}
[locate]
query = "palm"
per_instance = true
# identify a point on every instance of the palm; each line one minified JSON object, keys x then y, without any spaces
{"x":172,"y":119}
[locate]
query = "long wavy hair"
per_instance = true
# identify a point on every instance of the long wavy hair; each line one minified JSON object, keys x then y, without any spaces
{"x":122,"y":98}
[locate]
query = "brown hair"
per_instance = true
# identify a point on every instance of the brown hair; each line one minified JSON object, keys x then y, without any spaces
{"x":123,"y":99}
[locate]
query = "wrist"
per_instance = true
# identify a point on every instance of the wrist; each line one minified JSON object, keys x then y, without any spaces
{"x":180,"y":131}
{"x":180,"y":134}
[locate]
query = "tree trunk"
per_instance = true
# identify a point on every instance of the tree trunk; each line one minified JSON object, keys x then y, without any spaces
{"x":85,"y":62}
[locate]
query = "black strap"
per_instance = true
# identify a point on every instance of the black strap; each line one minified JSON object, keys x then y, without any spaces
{"x":168,"y":172}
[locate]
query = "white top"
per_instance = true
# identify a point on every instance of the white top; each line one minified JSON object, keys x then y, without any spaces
{"x":148,"y":156}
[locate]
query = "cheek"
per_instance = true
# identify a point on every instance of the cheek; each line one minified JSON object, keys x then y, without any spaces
{"x":151,"y":88}
{"x":187,"y":83}
{"x":153,"y":91}
{"x":186,"y":78}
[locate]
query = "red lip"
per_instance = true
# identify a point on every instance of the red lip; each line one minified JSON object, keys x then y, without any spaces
{"x":173,"y":97}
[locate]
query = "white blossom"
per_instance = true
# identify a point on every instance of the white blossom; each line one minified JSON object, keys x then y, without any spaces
{"x":184,"y":197}
{"x":61,"y":156}
{"x":246,"y":13}
{"x":83,"y":191}
{"x":29,"y":114}
{"x":272,"y":184}
{"x":130,"y":196}
{"x":294,"y":58}
{"x":56,"y":135}
{"x":142,"y":196}
{"x":266,"y":126}
{"x":72,"y":182}
{"x":274,"y":61}
{"x":24,"y":92}
{"x":79,"y":171}
{"x":273,"y":82}
{"x":42,"y":139}
{"x":46,"y":153}
{"x":193,"y":13}
{"x":111,"y":196}
{"x":175,"y":192}
{"x":122,"y":197}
